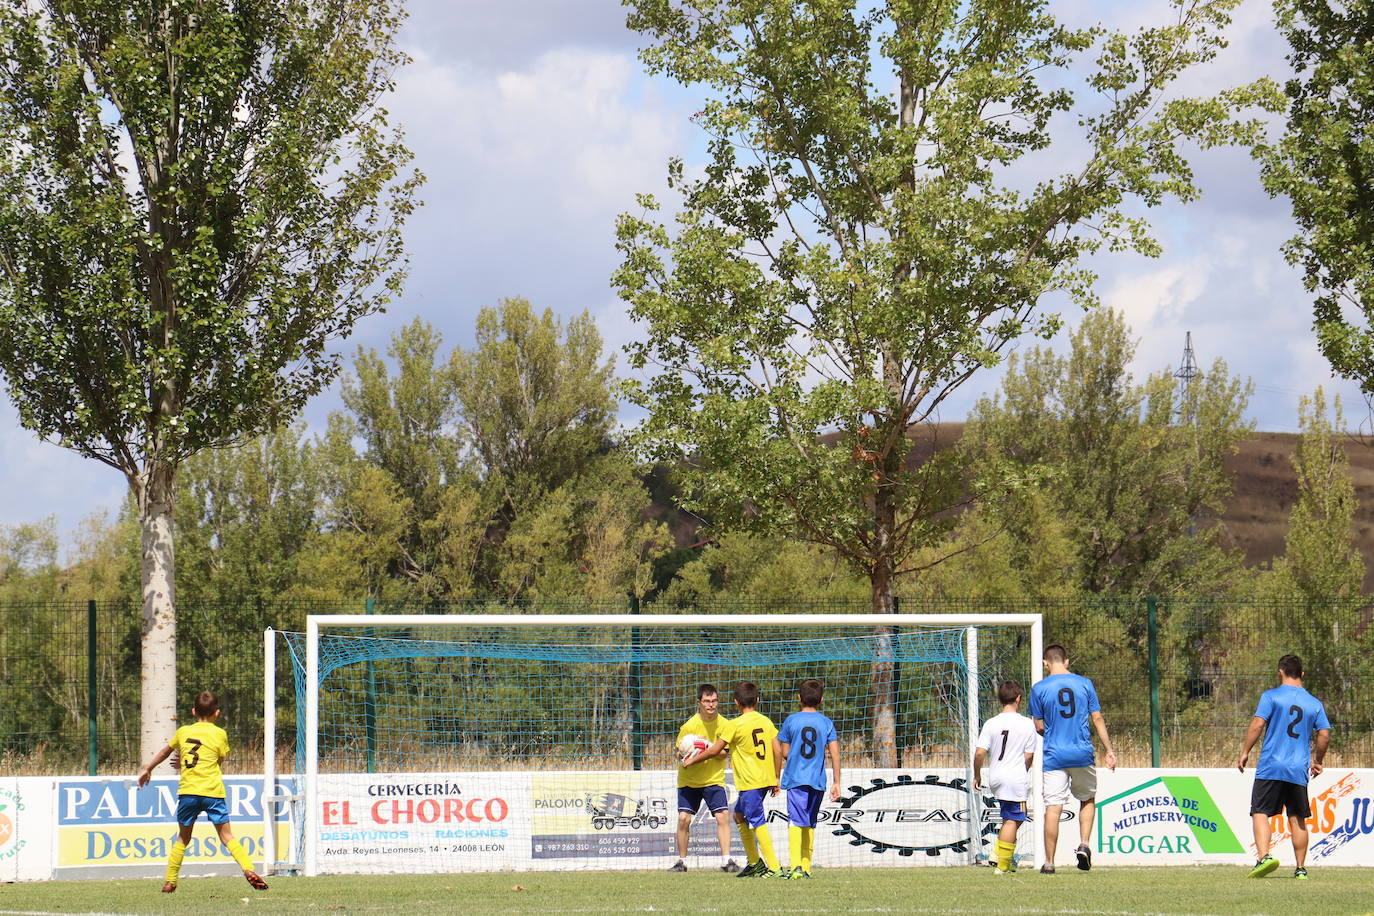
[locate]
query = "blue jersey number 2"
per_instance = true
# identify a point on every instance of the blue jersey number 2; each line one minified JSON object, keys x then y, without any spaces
{"x":1296,"y":712}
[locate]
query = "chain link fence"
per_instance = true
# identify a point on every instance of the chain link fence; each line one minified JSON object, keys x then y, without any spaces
{"x":1178,"y":677}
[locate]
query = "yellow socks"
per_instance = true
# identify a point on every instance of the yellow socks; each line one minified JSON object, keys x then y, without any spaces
{"x":179,"y":853}
{"x":239,"y":855}
{"x":1005,"y":851}
{"x":765,"y":841}
{"x":808,"y":846}
{"x":794,"y":846}
{"x":174,"y":861}
{"x":751,"y":846}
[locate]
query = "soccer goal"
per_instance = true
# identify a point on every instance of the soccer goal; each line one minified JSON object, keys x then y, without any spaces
{"x":429,"y":743}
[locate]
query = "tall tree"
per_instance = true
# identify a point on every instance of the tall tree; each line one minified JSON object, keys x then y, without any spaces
{"x":196,"y":197}
{"x":1321,"y":561}
{"x":891,"y":190}
{"x":534,"y":398}
{"x":1137,"y":490}
{"x":243,"y":515}
{"x":1314,"y":591}
{"x":408,"y":426}
{"x":1324,"y":165}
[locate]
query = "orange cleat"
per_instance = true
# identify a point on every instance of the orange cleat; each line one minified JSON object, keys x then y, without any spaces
{"x":169,"y":887}
{"x":255,"y":881}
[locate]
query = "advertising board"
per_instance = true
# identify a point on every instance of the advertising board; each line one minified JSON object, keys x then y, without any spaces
{"x":110,"y":826}
{"x":1195,"y":816}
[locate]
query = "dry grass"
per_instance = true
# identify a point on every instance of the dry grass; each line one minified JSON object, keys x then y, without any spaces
{"x":1131,"y":751}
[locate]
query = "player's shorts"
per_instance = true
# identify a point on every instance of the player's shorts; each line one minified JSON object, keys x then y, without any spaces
{"x":804,"y":805}
{"x":689,"y":799}
{"x":749,"y":805}
{"x":1078,"y":782}
{"x":1012,"y":810}
{"x":190,"y":807}
{"x":1270,"y":796}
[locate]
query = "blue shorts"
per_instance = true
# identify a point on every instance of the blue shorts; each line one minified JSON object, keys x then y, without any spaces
{"x":804,"y":805}
{"x":689,"y":799}
{"x":1012,"y":810}
{"x":749,"y":806}
{"x":190,"y":807}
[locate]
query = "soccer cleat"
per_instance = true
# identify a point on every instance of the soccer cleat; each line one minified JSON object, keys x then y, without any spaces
{"x":1000,"y":873}
{"x":785,"y":873}
{"x":1085,"y":857}
{"x":1300,"y":873}
{"x":1266,"y":866}
{"x":169,"y":887}
{"x":752,"y":869}
{"x":730,"y":866}
{"x":678,"y":866}
{"x":798,"y":874}
{"x":1047,"y":869}
{"x":254,"y":881}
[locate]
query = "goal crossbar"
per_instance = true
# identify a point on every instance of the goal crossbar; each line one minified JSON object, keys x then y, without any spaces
{"x":314,"y":622}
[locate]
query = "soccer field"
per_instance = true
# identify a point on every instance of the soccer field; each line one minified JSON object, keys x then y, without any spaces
{"x":1211,"y":890}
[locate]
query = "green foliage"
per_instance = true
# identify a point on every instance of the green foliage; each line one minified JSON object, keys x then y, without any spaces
{"x":768,"y":571}
{"x":1321,"y":560}
{"x":243,"y":515}
{"x":1321,"y":572}
{"x":535,"y":398}
{"x":197,"y":197}
{"x":489,"y":472}
{"x":1324,"y":165}
{"x":28,"y":561}
{"x":1133,"y":486}
{"x":407,"y":423}
{"x":409,"y":493}
{"x":851,"y":255}
{"x":1017,"y":549}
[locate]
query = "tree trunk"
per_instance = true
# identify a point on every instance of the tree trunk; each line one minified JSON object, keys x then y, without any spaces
{"x":884,"y":698}
{"x":153,"y":489}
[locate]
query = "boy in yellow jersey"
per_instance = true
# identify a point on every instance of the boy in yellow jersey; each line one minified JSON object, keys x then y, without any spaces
{"x":703,"y":782}
{"x":757,"y":760}
{"x":201,"y":747}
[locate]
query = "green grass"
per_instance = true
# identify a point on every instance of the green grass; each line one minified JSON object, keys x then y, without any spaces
{"x":1211,"y":890}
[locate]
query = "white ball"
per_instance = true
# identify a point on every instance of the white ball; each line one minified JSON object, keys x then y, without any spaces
{"x":690,"y":744}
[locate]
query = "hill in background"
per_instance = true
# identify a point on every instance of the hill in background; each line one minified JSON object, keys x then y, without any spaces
{"x":1263,"y":484}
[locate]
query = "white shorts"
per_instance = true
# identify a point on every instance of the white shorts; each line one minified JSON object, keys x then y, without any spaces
{"x":1078,"y":782}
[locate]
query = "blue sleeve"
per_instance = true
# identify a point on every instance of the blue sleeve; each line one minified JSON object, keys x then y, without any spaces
{"x":1091,"y":691}
{"x":785,"y":733}
{"x":1265,"y":709}
{"x":830,"y":731}
{"x":1321,"y":721}
{"x":1035,"y":703}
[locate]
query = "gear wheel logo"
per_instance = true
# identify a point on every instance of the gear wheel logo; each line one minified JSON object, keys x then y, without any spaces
{"x":910,"y":816}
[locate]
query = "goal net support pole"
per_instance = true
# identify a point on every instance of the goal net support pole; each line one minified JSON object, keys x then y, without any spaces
{"x":314,"y":623}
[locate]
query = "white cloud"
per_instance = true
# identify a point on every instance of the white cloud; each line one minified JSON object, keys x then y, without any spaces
{"x":511,"y":33}
{"x":527,"y":172}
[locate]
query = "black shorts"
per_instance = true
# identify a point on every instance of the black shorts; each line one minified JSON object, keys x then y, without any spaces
{"x":1270,"y":796}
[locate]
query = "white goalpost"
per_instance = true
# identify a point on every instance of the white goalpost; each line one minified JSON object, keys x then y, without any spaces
{"x":495,"y":742}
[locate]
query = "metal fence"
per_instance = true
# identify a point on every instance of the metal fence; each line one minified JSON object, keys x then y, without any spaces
{"x":1178,"y":678}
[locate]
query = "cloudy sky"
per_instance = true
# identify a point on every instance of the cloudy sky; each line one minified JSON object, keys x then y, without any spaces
{"x":535,"y":126}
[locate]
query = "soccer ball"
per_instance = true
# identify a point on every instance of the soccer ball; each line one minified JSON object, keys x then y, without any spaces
{"x":689,"y":745}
